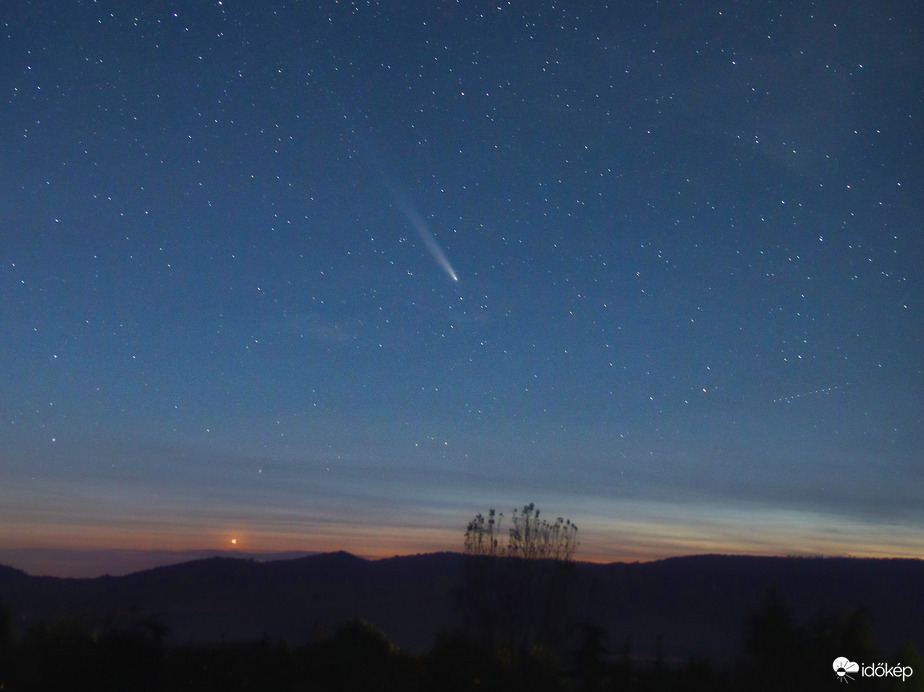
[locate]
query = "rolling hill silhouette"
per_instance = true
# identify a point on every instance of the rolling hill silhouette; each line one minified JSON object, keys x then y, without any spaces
{"x":694,"y":605}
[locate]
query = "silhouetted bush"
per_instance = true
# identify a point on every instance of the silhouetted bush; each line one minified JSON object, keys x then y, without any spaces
{"x":359,"y":656}
{"x":231,"y":667}
{"x":62,"y":655}
{"x":781,"y":654}
{"x":456,"y":663}
{"x":7,"y":643}
{"x":518,"y":596}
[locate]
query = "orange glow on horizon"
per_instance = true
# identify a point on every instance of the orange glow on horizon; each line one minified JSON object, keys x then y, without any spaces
{"x":647,"y":536}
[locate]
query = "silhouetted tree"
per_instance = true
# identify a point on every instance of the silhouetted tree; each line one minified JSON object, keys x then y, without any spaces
{"x":7,"y":642}
{"x":517,"y":596}
{"x":533,"y":538}
{"x":772,"y":643}
{"x":908,"y":656}
{"x":132,"y":651}
{"x":529,"y":537}
{"x":481,"y":536}
{"x":589,"y":658}
{"x":830,"y":633}
{"x":359,"y":656}
{"x":457,"y":664}
{"x":770,"y":634}
{"x":800,"y":656}
{"x":62,"y":655}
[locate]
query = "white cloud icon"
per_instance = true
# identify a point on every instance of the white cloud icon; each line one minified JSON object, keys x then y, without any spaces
{"x":842,"y":666}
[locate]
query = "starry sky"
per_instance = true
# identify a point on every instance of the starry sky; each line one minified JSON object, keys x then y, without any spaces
{"x":324,"y":275}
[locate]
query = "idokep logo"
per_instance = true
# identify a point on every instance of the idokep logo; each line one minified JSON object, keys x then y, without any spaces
{"x":843,"y":667}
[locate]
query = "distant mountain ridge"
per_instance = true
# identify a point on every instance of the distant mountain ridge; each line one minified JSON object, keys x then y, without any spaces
{"x":83,"y":562}
{"x":696,"y":605}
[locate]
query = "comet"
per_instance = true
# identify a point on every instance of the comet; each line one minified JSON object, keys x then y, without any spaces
{"x":420,"y":225}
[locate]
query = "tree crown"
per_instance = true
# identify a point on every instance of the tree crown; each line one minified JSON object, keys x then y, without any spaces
{"x":529,"y":537}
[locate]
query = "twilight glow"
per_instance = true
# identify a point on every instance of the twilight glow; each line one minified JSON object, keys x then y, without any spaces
{"x":690,"y":318}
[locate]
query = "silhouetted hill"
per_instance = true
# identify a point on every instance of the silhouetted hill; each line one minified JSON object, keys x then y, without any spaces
{"x":11,"y":573}
{"x":695,"y":604}
{"x":699,"y":604}
{"x":77,"y":562}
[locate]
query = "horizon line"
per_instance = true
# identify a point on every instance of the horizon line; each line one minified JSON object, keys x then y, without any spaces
{"x":43,"y":558}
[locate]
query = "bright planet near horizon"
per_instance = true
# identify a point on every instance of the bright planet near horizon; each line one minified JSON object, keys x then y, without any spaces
{"x":343,"y":275}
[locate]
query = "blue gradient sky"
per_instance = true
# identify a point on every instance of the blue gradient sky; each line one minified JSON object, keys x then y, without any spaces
{"x":687,"y":241}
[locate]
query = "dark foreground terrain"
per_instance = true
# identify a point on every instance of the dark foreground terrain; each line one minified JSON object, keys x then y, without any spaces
{"x":338,"y":622}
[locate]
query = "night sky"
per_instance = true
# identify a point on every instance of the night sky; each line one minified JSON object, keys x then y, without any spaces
{"x":324,"y":275}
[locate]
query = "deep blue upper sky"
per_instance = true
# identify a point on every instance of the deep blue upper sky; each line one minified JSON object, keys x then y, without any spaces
{"x":687,"y":238}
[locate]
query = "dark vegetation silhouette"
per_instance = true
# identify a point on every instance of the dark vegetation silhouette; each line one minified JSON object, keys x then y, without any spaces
{"x":134,"y":653}
{"x":517,"y":596}
{"x":703,"y":623}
